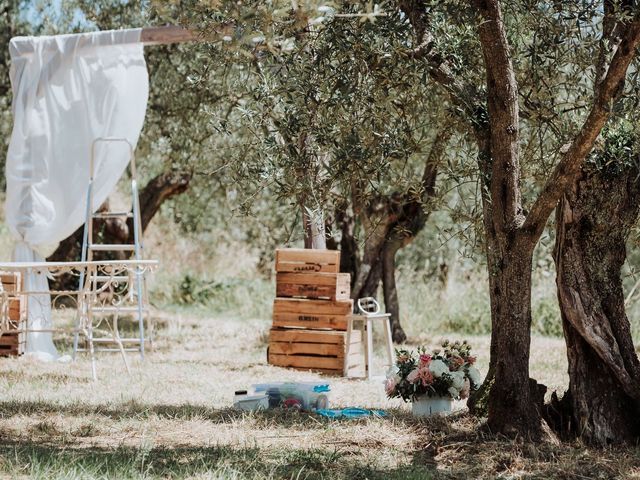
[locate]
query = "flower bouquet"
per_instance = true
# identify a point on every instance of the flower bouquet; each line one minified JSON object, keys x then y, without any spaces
{"x":443,"y":375}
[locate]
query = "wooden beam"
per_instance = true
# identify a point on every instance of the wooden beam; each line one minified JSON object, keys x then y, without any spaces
{"x":166,"y":35}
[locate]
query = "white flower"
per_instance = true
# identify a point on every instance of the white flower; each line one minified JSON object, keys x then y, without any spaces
{"x":438,"y":368}
{"x":457,"y":380}
{"x":390,"y":385}
{"x":393,"y":371}
{"x":453,"y":392}
{"x":475,"y":376}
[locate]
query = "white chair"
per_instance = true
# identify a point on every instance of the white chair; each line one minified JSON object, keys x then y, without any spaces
{"x":368,"y":312}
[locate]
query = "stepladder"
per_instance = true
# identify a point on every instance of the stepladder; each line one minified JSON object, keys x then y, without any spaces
{"x":368,"y":313}
{"x":109,"y":298}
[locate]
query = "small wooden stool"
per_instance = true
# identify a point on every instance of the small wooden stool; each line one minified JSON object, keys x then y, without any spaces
{"x":368,"y":312}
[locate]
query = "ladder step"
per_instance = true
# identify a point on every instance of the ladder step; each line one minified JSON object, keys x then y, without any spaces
{"x":96,"y":350}
{"x":123,"y":340}
{"x":113,"y":215}
{"x":117,"y":247}
{"x":117,"y":309}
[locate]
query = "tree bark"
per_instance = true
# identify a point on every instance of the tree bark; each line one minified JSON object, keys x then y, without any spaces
{"x":511,"y":407}
{"x":390,"y":290}
{"x":514,"y":400}
{"x":593,"y":223}
{"x":314,"y":229}
{"x":349,"y":262}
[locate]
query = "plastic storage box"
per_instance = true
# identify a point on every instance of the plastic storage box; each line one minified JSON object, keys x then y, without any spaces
{"x":308,"y":396}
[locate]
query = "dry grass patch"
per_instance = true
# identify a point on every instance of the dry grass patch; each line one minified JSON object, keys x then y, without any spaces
{"x":172,"y":419}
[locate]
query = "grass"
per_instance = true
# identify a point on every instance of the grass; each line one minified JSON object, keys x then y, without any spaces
{"x":172,"y":419}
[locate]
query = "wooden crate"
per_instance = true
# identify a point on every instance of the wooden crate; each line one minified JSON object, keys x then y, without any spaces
{"x":304,"y":260}
{"x":10,"y":281}
{"x":316,"y":350}
{"x":13,"y":343}
{"x":305,"y":313}
{"x":332,"y":286}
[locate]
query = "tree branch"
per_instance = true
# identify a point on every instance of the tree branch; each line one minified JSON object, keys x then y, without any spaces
{"x":502,"y":103}
{"x":569,"y":166}
{"x":464,"y":95}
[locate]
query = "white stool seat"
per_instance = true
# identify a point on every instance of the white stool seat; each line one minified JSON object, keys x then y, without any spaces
{"x":369,"y":312}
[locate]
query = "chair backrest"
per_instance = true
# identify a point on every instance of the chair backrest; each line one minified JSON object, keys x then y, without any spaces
{"x":368,"y":305}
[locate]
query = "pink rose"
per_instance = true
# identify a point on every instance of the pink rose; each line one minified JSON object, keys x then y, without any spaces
{"x":421,"y":375}
{"x":425,"y":359}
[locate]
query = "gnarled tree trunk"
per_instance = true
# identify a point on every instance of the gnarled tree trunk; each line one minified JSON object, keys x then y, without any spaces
{"x":391,"y":223}
{"x":593,"y":223}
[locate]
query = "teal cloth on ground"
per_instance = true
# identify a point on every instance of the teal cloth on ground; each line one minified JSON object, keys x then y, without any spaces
{"x":350,"y":413}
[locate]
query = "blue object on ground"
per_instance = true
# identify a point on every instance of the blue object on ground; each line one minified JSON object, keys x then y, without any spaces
{"x":350,"y":413}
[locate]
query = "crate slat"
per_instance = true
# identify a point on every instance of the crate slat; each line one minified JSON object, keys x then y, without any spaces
{"x":322,"y":349}
{"x":313,"y":307}
{"x":333,"y":286}
{"x":13,"y":343}
{"x":312,"y":336}
{"x":306,"y":361}
{"x":331,"y":322}
{"x":307,"y":260}
{"x":11,"y":339}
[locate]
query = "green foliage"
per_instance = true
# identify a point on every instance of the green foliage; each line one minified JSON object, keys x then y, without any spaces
{"x":619,"y":151}
{"x":246,"y":298}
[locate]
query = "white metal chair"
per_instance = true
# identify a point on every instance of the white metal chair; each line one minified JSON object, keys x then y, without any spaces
{"x":368,"y":312}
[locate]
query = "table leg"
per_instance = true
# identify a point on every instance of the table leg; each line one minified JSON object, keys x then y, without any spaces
{"x":389,"y":340}
{"x":347,"y":349}
{"x":369,"y":348}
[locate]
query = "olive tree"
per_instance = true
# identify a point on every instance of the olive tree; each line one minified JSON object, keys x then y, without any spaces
{"x":493,"y":113}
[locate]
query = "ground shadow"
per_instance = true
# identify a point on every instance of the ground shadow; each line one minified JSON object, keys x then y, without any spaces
{"x":34,"y":459}
{"x":290,"y":418}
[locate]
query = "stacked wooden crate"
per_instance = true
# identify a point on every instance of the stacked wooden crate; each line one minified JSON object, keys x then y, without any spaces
{"x":310,"y":313}
{"x":12,"y":342}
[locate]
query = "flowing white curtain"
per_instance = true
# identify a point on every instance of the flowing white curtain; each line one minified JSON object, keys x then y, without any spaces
{"x":68,"y":91}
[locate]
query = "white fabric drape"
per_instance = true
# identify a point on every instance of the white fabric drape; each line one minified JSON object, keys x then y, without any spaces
{"x":68,"y":91}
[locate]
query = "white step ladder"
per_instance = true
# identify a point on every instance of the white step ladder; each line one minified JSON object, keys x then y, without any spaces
{"x":97,"y":284}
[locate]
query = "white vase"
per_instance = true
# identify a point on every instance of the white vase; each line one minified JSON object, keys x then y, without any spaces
{"x":425,"y":406}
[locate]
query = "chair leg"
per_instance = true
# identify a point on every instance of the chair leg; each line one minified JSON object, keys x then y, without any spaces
{"x":369,"y":361}
{"x":389,"y":341}
{"x":116,"y":338}
{"x":92,"y":353}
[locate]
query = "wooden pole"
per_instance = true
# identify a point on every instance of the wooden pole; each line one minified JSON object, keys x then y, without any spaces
{"x":166,"y":35}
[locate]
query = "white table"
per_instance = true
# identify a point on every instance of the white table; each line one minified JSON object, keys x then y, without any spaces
{"x":102,"y":286}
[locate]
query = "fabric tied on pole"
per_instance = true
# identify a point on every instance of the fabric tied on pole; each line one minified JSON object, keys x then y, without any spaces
{"x":68,"y":91}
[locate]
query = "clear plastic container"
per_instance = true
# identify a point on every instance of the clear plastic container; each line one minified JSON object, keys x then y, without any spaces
{"x":308,"y":396}
{"x":243,"y":401}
